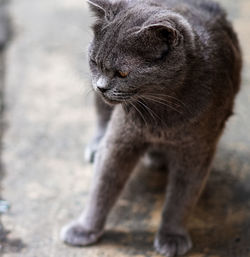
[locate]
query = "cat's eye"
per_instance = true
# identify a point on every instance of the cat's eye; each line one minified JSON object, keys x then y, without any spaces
{"x":123,"y":74}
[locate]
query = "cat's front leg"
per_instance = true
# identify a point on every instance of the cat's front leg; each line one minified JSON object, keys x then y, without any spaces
{"x":117,"y":155}
{"x":189,"y":169}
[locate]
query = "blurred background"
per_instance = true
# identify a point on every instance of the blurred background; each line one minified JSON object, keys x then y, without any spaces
{"x":47,"y":118}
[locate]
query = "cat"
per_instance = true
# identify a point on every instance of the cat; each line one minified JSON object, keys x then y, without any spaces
{"x":165,"y":74}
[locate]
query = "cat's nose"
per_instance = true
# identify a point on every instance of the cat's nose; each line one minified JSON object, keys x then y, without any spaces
{"x":102,"y":84}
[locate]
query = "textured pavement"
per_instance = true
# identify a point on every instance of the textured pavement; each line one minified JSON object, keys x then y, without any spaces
{"x":49,"y":119}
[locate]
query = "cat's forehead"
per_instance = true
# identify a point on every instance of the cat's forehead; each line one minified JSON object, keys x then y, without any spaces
{"x":122,"y":24}
{"x":113,"y":54}
{"x":117,"y":34}
{"x":117,"y":40}
{"x":113,"y":40}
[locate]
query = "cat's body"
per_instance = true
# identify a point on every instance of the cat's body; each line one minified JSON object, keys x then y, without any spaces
{"x":170,"y":70}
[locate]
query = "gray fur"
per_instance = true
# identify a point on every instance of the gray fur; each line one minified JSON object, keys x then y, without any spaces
{"x":183,"y":62}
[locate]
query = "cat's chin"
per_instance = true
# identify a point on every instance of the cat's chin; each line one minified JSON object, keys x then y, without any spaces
{"x":112,"y":101}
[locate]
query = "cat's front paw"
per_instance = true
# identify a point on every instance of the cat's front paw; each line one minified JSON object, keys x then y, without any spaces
{"x":171,"y":245}
{"x":75,"y":234}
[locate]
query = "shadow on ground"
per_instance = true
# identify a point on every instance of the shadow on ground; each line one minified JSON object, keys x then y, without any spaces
{"x":220,"y":224}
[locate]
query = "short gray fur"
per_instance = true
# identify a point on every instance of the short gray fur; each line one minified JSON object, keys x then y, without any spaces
{"x":182,"y":65}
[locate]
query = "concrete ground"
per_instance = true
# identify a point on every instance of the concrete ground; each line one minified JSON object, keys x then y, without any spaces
{"x":49,"y":119}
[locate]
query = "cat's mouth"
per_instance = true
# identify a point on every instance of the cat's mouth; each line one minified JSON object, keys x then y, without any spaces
{"x":118,"y":97}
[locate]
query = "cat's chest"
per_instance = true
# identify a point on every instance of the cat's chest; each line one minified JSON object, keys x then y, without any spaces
{"x":171,"y":137}
{"x":174,"y":131}
{"x":163,"y":135}
{"x":157,"y":134}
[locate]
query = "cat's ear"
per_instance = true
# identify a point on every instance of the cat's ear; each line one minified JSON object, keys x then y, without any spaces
{"x":163,"y":30}
{"x":99,"y":7}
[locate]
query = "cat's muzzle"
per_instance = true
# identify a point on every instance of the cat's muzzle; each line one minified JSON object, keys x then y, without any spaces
{"x":116,"y":97}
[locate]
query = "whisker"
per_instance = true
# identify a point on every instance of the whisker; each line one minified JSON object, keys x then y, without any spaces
{"x":165,"y":103}
{"x":125,"y":106}
{"x":147,"y":109}
{"x":160,"y":96}
{"x":87,"y":92}
{"x":139,"y":113}
{"x":150,"y":111}
{"x":182,"y":104}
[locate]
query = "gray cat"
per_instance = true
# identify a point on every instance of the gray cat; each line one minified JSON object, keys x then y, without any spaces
{"x":165,"y":74}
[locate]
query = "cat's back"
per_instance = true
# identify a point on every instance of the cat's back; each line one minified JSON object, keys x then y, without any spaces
{"x":206,"y":14}
{"x":206,"y":8}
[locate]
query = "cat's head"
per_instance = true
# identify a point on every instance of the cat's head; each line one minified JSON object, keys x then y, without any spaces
{"x":138,"y":49}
